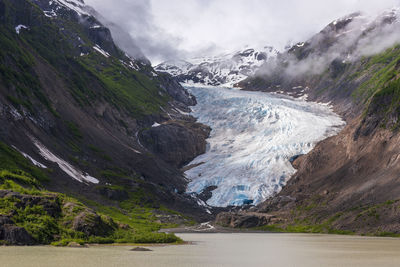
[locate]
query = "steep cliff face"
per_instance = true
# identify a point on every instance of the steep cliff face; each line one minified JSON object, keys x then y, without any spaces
{"x":74,"y":104}
{"x":349,"y":182}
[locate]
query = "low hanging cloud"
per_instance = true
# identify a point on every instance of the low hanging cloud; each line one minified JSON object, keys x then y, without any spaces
{"x":343,"y":41}
{"x":185,"y":28}
{"x":135,"y":19}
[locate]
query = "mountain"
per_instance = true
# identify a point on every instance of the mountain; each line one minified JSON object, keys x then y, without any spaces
{"x":223,"y":70}
{"x":348,"y":183}
{"x":92,"y":138}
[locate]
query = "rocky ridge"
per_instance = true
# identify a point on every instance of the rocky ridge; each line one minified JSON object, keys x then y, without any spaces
{"x":76,"y":106}
{"x":347,"y":184}
{"x":223,"y":70}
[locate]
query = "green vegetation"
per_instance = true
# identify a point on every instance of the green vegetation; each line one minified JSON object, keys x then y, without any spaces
{"x":11,"y":161}
{"x":74,"y":130}
{"x":307,"y":226}
{"x":46,"y":59}
{"x":124,"y":88}
{"x":46,"y":47}
{"x":308,"y":220}
{"x":383,"y":67}
{"x":53,"y":217}
{"x":100,"y":153}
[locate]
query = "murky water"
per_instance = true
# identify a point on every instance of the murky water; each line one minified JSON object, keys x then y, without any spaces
{"x":220,"y":250}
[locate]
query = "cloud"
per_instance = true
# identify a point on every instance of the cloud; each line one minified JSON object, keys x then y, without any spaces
{"x":132,"y":26}
{"x":343,"y":41}
{"x":184,"y":28}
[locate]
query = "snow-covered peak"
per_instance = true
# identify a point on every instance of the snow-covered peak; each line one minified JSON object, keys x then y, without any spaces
{"x":76,"y":5}
{"x":220,"y":70}
{"x":53,"y":8}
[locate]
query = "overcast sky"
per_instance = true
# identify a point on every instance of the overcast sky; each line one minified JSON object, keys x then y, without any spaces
{"x":168,"y":29}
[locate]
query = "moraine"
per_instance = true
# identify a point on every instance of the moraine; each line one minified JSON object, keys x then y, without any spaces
{"x":254,"y":136}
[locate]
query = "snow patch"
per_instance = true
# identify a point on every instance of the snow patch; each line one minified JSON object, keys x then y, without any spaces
{"x":65,"y":166}
{"x":78,"y":6}
{"x":182,"y":112}
{"x":50,"y":14}
{"x":34,"y":162}
{"x":20,"y":27}
{"x":101,"y":51}
{"x":223,"y":70}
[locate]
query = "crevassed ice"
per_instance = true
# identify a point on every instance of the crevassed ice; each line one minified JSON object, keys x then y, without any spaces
{"x":253,"y":138}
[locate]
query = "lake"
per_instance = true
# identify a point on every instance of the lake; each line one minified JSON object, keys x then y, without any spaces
{"x":221,"y":249}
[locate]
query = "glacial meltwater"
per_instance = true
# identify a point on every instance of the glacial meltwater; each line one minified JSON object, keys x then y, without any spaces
{"x":220,"y":250}
{"x":254,"y":136}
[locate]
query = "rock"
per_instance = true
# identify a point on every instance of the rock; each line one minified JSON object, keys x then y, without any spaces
{"x":90,"y":223}
{"x":14,"y":235}
{"x":206,"y":194}
{"x":114,"y":193}
{"x":242,"y":220}
{"x":49,"y":202}
{"x":75,"y":245}
{"x":176,"y":143}
{"x":5,"y":220}
{"x":140,"y":249}
{"x":175,"y":90}
{"x":124,"y":226}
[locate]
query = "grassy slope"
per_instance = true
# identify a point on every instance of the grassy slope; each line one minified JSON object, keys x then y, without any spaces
{"x":377,"y":92}
{"x":17,"y":174}
{"x":91,"y":78}
{"x":379,"y":95}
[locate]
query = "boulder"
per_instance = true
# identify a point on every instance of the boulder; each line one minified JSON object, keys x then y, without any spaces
{"x":140,"y":249}
{"x":90,"y":223}
{"x":75,"y":245}
{"x":14,"y":235}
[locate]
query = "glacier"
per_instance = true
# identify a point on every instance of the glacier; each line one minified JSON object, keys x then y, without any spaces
{"x":254,"y":136}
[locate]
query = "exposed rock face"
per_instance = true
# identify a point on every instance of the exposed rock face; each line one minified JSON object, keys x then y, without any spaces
{"x":242,"y":220}
{"x":348,"y":182}
{"x":89,"y":223}
{"x":12,"y":234}
{"x":49,"y":203}
{"x":86,"y":221}
{"x":175,"y":142}
{"x":114,"y":193}
{"x":351,"y":182}
{"x":175,"y":90}
{"x":206,"y":194}
{"x":87,"y":101}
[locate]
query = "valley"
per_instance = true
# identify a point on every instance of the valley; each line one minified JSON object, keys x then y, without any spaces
{"x":254,"y":137}
{"x":100,"y":146}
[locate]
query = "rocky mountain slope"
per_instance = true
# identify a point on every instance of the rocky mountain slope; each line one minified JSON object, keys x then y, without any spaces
{"x":349,"y":182}
{"x":94,"y":120}
{"x":224,"y":70}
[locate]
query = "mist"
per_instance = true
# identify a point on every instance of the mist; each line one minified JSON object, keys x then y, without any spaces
{"x":183,"y":29}
{"x":364,"y":35}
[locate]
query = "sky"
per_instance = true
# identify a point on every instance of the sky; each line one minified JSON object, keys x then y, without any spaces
{"x":182,"y":29}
